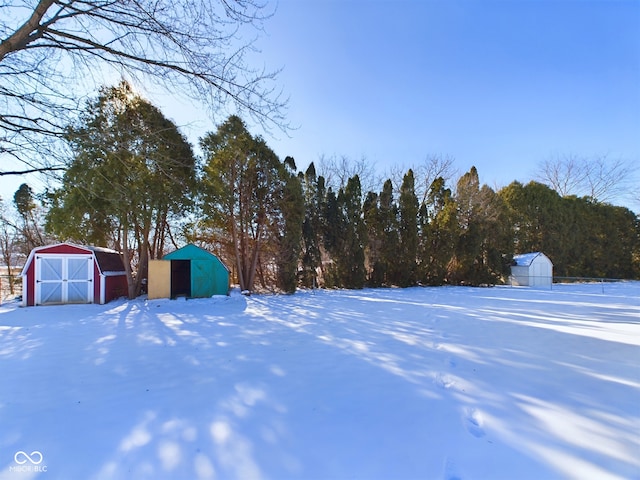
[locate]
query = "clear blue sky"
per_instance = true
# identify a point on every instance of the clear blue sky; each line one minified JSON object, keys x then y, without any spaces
{"x":501,"y":85}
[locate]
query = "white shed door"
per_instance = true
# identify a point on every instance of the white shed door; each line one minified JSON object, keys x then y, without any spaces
{"x":64,"y":279}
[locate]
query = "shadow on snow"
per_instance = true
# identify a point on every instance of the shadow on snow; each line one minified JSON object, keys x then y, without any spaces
{"x":423,"y":382}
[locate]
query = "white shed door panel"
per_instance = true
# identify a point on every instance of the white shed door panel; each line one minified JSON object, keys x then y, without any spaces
{"x":64,"y":279}
{"x":48,"y":280}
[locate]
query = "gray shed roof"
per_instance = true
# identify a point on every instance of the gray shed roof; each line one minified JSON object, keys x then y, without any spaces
{"x":525,"y":259}
{"x":109,"y":261}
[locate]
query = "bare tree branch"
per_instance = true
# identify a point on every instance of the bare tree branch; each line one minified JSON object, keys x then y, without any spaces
{"x":31,"y":170}
{"x":192,"y":48}
{"x":27,"y":32}
{"x":600,"y":178}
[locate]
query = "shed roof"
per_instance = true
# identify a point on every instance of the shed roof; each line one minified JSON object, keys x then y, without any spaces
{"x":526,"y":259}
{"x":109,"y":261}
{"x":192,"y":251}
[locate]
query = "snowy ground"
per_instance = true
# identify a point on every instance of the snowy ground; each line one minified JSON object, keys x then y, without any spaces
{"x":422,"y":383}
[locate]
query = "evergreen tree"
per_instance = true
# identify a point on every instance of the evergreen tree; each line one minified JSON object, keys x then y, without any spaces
{"x":333,"y":224}
{"x":350,"y":255}
{"x":599,"y":241}
{"x":440,"y":233}
{"x":242,"y":192}
{"x":289,"y":228}
{"x":623,"y":248}
{"x":387,"y":269}
{"x":131,"y":169}
{"x":483,"y":234}
{"x":408,"y":232}
{"x":29,"y":230}
{"x":497,"y":234}
{"x":582,"y":237}
{"x":464,"y":268}
{"x":423,"y":244}
{"x":539,"y":223}
{"x":371,"y":215}
{"x":314,"y":197}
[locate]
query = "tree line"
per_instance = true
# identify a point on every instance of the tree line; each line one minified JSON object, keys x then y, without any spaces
{"x":133,"y":183}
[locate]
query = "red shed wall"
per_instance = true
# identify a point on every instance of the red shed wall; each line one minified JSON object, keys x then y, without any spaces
{"x":31,"y":284}
{"x":115,"y":287}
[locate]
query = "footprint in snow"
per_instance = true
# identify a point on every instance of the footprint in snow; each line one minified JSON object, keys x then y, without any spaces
{"x":443,"y":380}
{"x":450,"y":470}
{"x":474,"y":422}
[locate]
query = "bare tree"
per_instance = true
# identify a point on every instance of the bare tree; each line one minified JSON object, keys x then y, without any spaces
{"x":562,"y":173}
{"x":50,"y":50}
{"x":607,"y":178}
{"x":8,"y":231}
{"x":338,"y":170}
{"x":600,"y":177}
{"x":433,"y":166}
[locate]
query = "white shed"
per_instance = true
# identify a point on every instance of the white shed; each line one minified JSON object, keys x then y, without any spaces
{"x":532,"y":269}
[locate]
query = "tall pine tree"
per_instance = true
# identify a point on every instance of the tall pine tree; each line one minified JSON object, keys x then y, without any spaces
{"x":477,"y":259}
{"x":371,"y":215}
{"x":387,"y":266}
{"x":440,"y":233}
{"x":408,"y":230}
{"x":333,"y":225}
{"x":350,"y":257}
{"x":314,"y":199}
{"x":289,"y":228}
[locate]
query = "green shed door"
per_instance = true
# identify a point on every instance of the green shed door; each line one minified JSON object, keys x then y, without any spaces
{"x":202,"y":278}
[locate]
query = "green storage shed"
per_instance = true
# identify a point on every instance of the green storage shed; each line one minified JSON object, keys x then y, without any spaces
{"x":188,"y":272}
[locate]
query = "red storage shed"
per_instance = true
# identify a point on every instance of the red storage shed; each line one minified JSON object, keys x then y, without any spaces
{"x":67,"y":273}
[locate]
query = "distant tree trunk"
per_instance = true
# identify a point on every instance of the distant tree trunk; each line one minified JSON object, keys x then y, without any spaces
{"x":143,"y":260}
{"x":254,"y":258}
{"x":126,"y":259}
{"x":6,"y":257}
{"x":237,"y":253}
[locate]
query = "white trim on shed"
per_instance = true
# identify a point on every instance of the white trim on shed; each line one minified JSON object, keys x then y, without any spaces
{"x":63,"y":278}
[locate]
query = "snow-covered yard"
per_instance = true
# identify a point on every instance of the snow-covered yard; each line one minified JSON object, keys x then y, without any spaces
{"x":421,"y":383}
